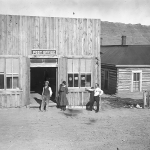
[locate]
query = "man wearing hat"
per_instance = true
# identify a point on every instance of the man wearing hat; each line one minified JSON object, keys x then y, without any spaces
{"x":97,"y":93}
{"x":46,"y":94}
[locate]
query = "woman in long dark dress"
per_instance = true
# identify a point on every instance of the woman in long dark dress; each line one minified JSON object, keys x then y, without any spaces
{"x":62,"y":96}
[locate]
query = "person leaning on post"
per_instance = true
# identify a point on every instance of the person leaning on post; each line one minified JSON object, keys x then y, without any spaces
{"x":88,"y":105}
{"x":97,"y":93}
{"x":46,"y":94}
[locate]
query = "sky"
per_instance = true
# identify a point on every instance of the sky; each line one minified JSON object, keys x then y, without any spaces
{"x":124,"y":11}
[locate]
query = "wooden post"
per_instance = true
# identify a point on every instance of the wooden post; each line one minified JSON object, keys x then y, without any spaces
{"x":148,"y":100}
{"x":144,"y":99}
{"x":82,"y":99}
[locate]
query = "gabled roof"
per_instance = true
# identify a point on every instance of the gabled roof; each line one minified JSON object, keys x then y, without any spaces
{"x":126,"y":55}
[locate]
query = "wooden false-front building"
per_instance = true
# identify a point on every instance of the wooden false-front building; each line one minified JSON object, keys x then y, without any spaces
{"x":34,"y":49}
{"x":125,"y":70}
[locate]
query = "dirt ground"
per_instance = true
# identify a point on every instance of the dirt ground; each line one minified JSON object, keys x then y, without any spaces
{"x":111,"y":129}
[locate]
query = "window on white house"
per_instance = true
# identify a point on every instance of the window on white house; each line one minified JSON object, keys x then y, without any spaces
{"x":136,"y":82}
{"x":79,"y":72}
{"x":2,"y":62}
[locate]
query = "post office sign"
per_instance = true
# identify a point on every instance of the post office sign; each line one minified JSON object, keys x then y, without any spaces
{"x":43,"y":52}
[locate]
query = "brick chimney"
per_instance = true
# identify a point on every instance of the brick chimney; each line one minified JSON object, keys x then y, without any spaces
{"x":123,"y":40}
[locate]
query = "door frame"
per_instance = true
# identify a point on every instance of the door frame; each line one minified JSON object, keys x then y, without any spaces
{"x":140,"y":82}
{"x":33,"y":65}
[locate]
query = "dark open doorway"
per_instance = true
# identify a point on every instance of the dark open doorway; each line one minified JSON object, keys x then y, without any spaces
{"x":41,"y":74}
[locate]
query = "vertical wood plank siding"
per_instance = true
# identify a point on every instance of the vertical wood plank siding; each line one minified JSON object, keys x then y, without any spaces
{"x":10,"y":99}
{"x":20,"y":34}
{"x":69,"y":36}
{"x":112,"y":79}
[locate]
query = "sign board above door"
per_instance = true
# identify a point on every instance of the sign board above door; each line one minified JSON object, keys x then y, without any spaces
{"x":43,"y":52}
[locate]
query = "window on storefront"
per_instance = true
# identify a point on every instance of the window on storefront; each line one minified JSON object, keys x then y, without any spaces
{"x":9,"y":77}
{"x":85,"y":72}
{"x":79,"y":72}
{"x":2,"y":74}
{"x":73,"y":73}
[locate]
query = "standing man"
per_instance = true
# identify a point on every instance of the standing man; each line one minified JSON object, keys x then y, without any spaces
{"x":97,"y":93}
{"x":46,"y":94}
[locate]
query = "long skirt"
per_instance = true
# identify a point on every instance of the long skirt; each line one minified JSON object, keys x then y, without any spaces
{"x":63,"y":99}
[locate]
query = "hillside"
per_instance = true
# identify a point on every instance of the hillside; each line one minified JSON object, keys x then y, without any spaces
{"x":136,"y":34}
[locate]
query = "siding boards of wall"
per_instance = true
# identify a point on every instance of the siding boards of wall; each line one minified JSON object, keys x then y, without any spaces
{"x":3,"y":35}
{"x":81,"y":40}
{"x":62,"y":70}
{"x":68,"y":36}
{"x":90,"y":36}
{"x":59,"y":36}
{"x":10,"y":99}
{"x":112,"y":79}
{"x":125,"y":81}
{"x":25,"y":80}
{"x":74,"y":36}
{"x":78,"y":98}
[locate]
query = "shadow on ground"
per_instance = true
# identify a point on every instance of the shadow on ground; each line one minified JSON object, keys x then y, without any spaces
{"x":39,"y":101}
{"x":91,"y":121}
{"x":72,"y":112}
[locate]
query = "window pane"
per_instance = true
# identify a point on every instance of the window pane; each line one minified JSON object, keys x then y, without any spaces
{"x":88,"y":80}
{"x":88,"y":65}
{"x":70,"y":80}
{"x":138,"y":76}
{"x":9,"y":82}
{"x":75,"y":65}
{"x":1,"y":65}
{"x":1,"y":81}
{"x":134,"y":77}
{"x":82,"y":80}
{"x":8,"y":65}
{"x":70,"y":68}
{"x":136,"y":86}
{"x":15,"y":82}
{"x":82,"y":65}
{"x":15,"y":65}
{"x":76,"y":80}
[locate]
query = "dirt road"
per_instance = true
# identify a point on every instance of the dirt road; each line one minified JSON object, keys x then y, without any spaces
{"x":29,"y":129}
